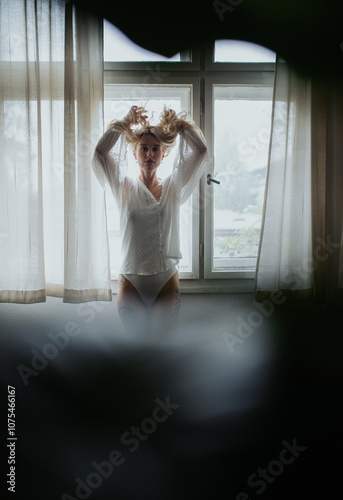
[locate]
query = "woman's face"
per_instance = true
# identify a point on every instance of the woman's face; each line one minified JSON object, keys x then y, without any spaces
{"x":149,"y":152}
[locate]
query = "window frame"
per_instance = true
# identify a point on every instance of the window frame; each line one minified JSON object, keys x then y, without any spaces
{"x":212,"y":65}
{"x":239,"y":79}
{"x":202,"y":73}
{"x":193,"y":64}
{"x":190,"y":61}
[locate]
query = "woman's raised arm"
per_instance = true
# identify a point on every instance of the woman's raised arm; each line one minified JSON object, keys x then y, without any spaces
{"x":191,"y":162}
{"x":109,"y":167}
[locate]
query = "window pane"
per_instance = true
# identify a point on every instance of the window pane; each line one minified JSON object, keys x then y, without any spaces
{"x":242,"y":119}
{"x":119,"y":48}
{"x":118,"y":100}
{"x":238,"y":51}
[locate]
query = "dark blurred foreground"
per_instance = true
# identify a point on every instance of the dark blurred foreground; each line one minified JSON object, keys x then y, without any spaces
{"x":193,"y":415}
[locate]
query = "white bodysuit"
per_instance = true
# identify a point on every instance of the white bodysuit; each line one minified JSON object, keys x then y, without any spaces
{"x":149,"y":228}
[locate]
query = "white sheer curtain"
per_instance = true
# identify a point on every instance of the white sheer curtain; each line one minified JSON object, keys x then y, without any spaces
{"x":87,"y":266}
{"x":53,"y":238}
{"x":300,"y":252}
{"x":284,"y":262}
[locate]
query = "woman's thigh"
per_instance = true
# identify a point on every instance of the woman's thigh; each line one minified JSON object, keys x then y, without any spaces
{"x":132,"y":310}
{"x":165,"y":311}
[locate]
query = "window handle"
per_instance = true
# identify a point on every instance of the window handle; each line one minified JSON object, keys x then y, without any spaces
{"x":210,"y":179}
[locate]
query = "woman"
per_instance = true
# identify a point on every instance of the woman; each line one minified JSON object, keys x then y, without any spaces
{"x":148,"y":291}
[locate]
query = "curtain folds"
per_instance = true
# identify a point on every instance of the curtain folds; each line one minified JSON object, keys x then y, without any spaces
{"x":53,"y":236}
{"x":327,"y":189}
{"x":87,"y":268}
{"x":300,"y":254}
{"x":284,"y":263}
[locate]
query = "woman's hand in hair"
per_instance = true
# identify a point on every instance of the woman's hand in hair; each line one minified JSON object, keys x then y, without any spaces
{"x":136,"y":116}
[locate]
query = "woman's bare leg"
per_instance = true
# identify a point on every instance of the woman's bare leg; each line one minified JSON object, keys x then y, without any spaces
{"x":132,"y":310}
{"x":165,"y":311}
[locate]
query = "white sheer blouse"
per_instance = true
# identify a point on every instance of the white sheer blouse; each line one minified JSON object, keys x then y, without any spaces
{"x":149,"y":228}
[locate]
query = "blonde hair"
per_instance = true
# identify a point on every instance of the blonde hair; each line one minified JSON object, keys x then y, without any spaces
{"x":166,"y":132}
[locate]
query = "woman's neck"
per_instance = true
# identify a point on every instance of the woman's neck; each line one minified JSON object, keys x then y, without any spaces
{"x":150,"y":179}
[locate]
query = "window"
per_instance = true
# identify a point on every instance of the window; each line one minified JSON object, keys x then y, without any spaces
{"x":238,"y":51}
{"x":227,"y":88}
{"x":241,"y":132}
{"x":119,"y":48}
